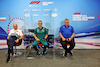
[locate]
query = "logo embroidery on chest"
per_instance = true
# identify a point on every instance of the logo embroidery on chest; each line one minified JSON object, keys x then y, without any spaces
{"x":63,"y":27}
{"x":69,"y":27}
{"x":42,"y":30}
{"x":37,"y":30}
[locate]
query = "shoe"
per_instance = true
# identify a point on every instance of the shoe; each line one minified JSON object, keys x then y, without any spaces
{"x":65,"y":54}
{"x":37,"y":53}
{"x":8,"y":59}
{"x":14,"y":55}
{"x":11,"y":54}
{"x":43,"y":54}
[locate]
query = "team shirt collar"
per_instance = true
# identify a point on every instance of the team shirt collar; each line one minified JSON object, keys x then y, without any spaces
{"x":66,"y":27}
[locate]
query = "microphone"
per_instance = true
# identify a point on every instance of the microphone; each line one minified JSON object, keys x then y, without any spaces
{"x":43,"y":39}
{"x":67,"y":39}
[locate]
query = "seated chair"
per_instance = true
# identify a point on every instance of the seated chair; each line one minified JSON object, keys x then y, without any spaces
{"x":40,"y":46}
{"x":68,"y":45}
{"x":18,"y":44}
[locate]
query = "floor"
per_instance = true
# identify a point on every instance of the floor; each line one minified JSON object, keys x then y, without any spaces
{"x":53,"y":58}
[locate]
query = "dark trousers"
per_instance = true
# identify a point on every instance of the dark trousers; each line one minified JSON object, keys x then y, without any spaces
{"x":11,"y":42}
{"x":44,"y":49}
{"x":64,"y":44}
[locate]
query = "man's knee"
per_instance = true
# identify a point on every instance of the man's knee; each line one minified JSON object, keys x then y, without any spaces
{"x":73,"y":44}
{"x":64,"y":45}
{"x":45,"y":44}
{"x":11,"y":39}
{"x":34,"y":44}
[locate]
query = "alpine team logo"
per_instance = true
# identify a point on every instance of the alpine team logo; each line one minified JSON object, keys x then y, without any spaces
{"x":78,"y":16}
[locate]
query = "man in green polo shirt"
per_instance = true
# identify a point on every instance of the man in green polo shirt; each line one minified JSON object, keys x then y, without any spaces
{"x":40,"y":35}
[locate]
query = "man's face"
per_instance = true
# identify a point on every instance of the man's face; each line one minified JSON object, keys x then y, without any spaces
{"x":15,"y":26}
{"x":40,"y":24}
{"x":66,"y":22}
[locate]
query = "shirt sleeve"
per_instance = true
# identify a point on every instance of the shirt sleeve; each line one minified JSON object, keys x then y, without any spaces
{"x":60,"y":30}
{"x":73,"y":30}
{"x":10,"y":33}
{"x":20,"y":33}
{"x":46,"y":31}
{"x":35,"y":31}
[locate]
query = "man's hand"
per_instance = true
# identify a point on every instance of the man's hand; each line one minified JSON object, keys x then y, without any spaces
{"x":63,"y":39}
{"x":69,"y":39}
{"x":44,"y":39}
{"x":37,"y":39}
{"x":17,"y":40}
{"x":8,"y":37}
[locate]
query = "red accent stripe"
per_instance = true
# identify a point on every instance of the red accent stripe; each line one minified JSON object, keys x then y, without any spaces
{"x":90,"y":19}
{"x":92,"y":44}
{"x":77,"y":13}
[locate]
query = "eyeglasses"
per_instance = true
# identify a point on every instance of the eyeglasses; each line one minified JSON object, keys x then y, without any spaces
{"x":66,"y":22}
{"x":39,"y":23}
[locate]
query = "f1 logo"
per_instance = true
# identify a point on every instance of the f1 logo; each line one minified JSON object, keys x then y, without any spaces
{"x":35,"y":2}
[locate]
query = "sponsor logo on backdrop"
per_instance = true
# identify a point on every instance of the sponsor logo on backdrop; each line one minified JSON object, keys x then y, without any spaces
{"x":4,"y":17}
{"x":35,"y":4}
{"x":26,"y":9}
{"x":46,"y":9}
{"x":55,"y":9}
{"x":36,"y":9}
{"x":47,"y":3}
{"x":78,"y":16}
{"x":35,"y":14}
{"x":54,"y":14}
{"x":27,"y":15}
{"x":45,"y":14}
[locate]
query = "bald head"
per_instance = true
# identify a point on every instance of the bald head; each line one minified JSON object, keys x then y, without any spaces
{"x":15,"y":26}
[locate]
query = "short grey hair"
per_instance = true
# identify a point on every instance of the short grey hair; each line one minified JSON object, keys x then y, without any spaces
{"x":67,"y":19}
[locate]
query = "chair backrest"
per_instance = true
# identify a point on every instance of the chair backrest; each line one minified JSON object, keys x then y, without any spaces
{"x":32,"y":30}
{"x":40,"y":44}
{"x":67,"y":44}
